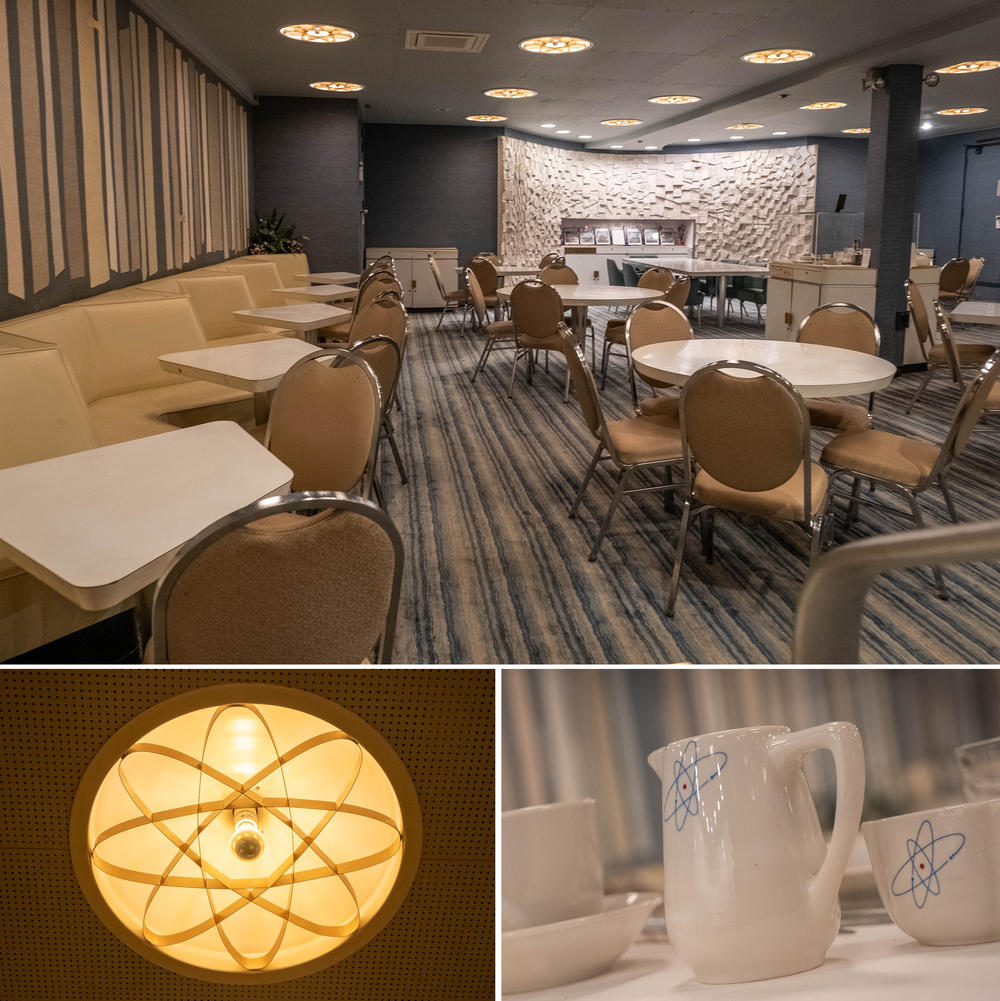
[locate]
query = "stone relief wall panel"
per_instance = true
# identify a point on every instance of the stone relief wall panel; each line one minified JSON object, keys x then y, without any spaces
{"x":747,"y":204}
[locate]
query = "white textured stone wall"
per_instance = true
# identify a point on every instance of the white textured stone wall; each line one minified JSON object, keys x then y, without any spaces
{"x":747,"y":203}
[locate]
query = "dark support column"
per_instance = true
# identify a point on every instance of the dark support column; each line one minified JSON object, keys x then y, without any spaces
{"x":891,"y":196}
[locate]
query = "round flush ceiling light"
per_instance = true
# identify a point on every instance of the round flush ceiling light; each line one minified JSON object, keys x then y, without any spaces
{"x":674,"y":99}
{"x":510,"y":93}
{"x":245,"y":833}
{"x":978,"y":66}
{"x":337,"y":87}
{"x":962,"y":111}
{"x":555,"y":45}
{"x":485,"y":118}
{"x":772,"y":57}
{"x":823,"y":106}
{"x":621,"y":121}
{"x":323,"y":33}
{"x":856,"y":132}
{"x":743,"y":126}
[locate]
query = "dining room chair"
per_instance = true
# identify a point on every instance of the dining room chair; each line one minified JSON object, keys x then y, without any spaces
{"x":375,"y":268}
{"x":549,"y":258}
{"x":654,"y":322}
{"x":949,"y":355}
{"x":368,"y":289}
{"x":750,"y":438}
{"x":325,"y":422}
{"x":631,"y":444}
{"x":489,"y":281}
{"x":659,"y":279}
{"x":304,"y":578}
{"x":631,"y":274}
{"x":537,"y":312}
{"x":975,"y":270}
{"x":384,"y":356}
{"x":615,"y":276}
{"x":905,"y":465}
{"x":499,"y":333}
{"x":384,"y":315}
{"x":450,"y":301}
{"x":952,"y":281}
{"x":489,"y":256}
{"x":840,"y":325}
{"x":560,"y":273}
{"x":679,"y":291}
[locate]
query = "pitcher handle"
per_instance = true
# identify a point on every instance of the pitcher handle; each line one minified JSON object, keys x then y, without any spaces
{"x":844,"y":742}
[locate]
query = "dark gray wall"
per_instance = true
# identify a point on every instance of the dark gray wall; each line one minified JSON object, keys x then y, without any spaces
{"x":431,"y":186}
{"x":306,"y":155}
{"x":958,"y":204}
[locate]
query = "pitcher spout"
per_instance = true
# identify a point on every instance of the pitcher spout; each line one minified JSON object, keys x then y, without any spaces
{"x":656,"y":759}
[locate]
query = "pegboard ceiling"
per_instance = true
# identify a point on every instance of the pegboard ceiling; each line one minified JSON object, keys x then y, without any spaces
{"x":440,"y":944}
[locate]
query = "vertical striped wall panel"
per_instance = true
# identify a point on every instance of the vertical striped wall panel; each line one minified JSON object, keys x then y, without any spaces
{"x":121,"y":157}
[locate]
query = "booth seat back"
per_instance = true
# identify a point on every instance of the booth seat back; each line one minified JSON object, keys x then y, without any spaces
{"x":262,"y":278}
{"x":125,"y":340}
{"x":66,"y":327}
{"x":42,"y":411}
{"x":288,"y":265}
{"x":214,"y":298}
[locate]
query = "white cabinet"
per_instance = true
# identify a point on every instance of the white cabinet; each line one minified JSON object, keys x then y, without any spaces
{"x":420,"y":291}
{"x":793,"y":290}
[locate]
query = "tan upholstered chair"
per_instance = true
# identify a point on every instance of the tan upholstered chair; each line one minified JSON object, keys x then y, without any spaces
{"x":950,"y":355}
{"x":371,"y":288}
{"x":548,"y":259}
{"x":750,"y":438}
{"x":376,"y":267}
{"x":659,"y":279}
{"x":486,"y":275}
{"x":384,"y":356}
{"x":679,"y":291}
{"x":489,"y":256}
{"x":450,"y":301}
{"x":500,"y":333}
{"x":385,"y":315}
{"x":909,"y":466}
{"x":632,"y":443}
{"x":953,"y":280}
{"x":308,"y":578}
{"x":559,"y":273}
{"x":325,"y":420}
{"x":537,"y":312}
{"x":840,"y":325}
{"x":975,"y":270}
{"x":654,"y":323}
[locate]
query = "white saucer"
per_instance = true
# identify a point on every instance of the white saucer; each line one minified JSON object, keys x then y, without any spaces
{"x":549,"y":955}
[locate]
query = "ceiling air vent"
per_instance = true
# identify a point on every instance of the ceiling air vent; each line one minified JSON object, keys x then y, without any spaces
{"x":446,"y":41}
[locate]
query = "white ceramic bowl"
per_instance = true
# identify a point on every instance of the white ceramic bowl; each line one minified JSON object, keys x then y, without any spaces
{"x":938,"y":872}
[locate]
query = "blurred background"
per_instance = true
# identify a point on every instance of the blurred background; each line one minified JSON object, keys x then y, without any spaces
{"x":569,"y":734}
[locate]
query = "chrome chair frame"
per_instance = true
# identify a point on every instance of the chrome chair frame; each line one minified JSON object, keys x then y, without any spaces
{"x":339,"y":356}
{"x":816,"y":525}
{"x":311,"y":501}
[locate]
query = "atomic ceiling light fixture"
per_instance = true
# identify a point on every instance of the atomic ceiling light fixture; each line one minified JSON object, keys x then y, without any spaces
{"x":621,"y":121}
{"x":977,"y":66}
{"x":856,"y":132}
{"x":245,"y":833}
{"x":485,"y":118}
{"x":510,"y":93}
{"x":962,"y":111}
{"x":674,"y":99}
{"x":555,"y":45}
{"x":744,"y":126}
{"x":823,"y":106}
{"x":775,"y":57}
{"x":337,"y":87}
{"x":322,"y":33}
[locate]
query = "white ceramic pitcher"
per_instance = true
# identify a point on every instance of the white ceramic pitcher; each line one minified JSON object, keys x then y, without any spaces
{"x":751,"y":887}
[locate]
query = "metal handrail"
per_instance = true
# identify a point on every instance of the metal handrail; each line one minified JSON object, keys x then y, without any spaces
{"x":828,"y":619}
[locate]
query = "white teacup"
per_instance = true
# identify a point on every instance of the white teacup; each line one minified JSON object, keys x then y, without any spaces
{"x":552,"y":866}
{"x":938,"y":872}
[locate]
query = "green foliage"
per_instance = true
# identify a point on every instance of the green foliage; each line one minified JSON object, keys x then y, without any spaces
{"x":272,"y":236}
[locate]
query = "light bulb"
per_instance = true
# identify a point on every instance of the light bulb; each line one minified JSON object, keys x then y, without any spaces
{"x":247,"y":843}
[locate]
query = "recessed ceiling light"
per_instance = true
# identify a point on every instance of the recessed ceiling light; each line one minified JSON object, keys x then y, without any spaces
{"x":617,"y":147}
{"x":555,"y":45}
{"x":652,"y":147}
{"x":317,"y":33}
{"x":779,"y":133}
{"x":674,"y":99}
{"x":621,"y":121}
{"x":548,"y":125}
{"x":927,"y":125}
{"x":856,"y":132}
{"x":485,"y":118}
{"x":510,"y":93}
{"x":694,"y":140}
{"x":737,"y":137}
{"x":743,"y":126}
{"x":978,"y":66}
{"x":585,"y":137}
{"x":823,"y":106}
{"x":962,"y":111}
{"x":562,"y":132}
{"x":771,"y":57}
{"x":338,"y":88}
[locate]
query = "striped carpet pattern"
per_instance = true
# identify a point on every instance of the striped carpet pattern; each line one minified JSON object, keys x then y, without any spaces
{"x":497,"y":573}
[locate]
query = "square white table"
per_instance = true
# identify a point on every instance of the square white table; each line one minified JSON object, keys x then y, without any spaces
{"x":694,"y":267}
{"x":329,"y":278}
{"x":257,"y":367}
{"x":976,"y":312}
{"x":319,"y":293}
{"x":99,"y":526}
{"x":306,"y":317}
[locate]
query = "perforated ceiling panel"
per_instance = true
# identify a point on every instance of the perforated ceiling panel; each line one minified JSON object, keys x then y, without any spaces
{"x":438,"y":947}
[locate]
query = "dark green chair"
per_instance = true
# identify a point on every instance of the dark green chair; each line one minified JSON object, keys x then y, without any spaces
{"x":630,"y":274}
{"x":615,"y":276}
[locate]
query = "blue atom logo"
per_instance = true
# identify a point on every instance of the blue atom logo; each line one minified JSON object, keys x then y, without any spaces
{"x":918,"y":875}
{"x":687,"y":783}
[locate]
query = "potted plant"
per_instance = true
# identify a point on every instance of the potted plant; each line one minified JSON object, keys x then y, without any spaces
{"x":272,"y":236}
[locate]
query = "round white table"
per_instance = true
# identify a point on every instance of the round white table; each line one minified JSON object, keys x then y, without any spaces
{"x":813,"y":369}
{"x":579,"y":297}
